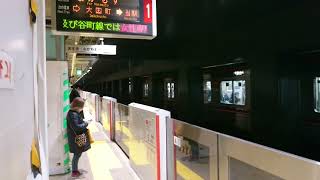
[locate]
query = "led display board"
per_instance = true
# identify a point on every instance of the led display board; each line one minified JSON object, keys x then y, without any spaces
{"x":134,"y":19}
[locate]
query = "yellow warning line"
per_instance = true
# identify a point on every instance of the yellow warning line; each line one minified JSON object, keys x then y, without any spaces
{"x":186,"y":173}
{"x":102,"y":160}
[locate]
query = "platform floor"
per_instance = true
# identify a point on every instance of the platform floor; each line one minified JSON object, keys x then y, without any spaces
{"x":104,"y":161}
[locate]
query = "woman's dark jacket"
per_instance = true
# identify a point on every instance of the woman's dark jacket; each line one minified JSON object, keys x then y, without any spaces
{"x":75,"y":124}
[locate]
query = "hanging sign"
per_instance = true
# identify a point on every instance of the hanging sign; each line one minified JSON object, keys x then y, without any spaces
{"x":6,"y":71}
{"x":134,"y":19}
{"x":92,"y":49}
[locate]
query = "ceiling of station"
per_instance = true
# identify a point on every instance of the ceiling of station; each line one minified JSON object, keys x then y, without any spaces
{"x":215,"y":32}
{"x":80,"y":62}
{"x":75,"y":61}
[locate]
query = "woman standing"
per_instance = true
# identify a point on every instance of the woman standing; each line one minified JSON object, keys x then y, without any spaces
{"x":77,"y":133}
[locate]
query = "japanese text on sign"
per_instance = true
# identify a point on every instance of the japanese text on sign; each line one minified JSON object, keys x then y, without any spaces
{"x":113,"y":17}
{"x":105,"y":27}
{"x":6,"y":71}
{"x":92,"y":49}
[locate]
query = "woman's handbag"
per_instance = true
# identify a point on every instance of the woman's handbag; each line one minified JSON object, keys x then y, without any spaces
{"x":90,"y":136}
{"x":80,"y":139}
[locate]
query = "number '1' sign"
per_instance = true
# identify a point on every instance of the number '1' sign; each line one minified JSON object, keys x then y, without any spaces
{"x":147,"y":13}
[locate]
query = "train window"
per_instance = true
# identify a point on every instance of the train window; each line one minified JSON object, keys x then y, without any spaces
{"x":239,"y":91}
{"x":233,"y":92}
{"x":207,"y":92}
{"x":130,"y":86}
{"x":317,"y":94}
{"x":226,"y":92}
{"x":146,"y":90}
{"x":170,"y":90}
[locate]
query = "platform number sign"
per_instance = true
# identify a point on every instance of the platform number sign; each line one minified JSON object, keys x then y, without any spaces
{"x":147,"y":4}
{"x":134,"y":19}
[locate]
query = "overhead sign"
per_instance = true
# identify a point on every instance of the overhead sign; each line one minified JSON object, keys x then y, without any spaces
{"x":6,"y":71}
{"x":92,"y":49}
{"x":134,"y":19}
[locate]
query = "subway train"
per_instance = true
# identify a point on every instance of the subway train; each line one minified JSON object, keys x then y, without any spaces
{"x":276,"y":106}
{"x":248,"y":69}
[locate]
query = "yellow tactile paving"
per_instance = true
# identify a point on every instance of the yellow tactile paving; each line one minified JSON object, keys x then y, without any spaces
{"x":186,"y":173}
{"x":102,"y":160}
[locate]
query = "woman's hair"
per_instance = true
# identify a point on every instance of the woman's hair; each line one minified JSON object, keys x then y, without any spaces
{"x":77,"y":103}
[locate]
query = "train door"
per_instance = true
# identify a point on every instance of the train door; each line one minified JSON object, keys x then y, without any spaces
{"x":307,"y":104}
{"x":226,"y":93}
{"x":124,"y":91}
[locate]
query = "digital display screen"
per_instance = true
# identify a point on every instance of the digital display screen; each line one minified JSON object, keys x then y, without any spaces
{"x":127,"y":17}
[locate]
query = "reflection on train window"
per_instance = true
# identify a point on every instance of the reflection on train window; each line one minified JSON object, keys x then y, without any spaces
{"x":233,"y":92}
{"x":239,"y":91}
{"x":170,"y":90}
{"x":146,"y":90}
{"x":226,"y":92}
{"x":130,"y":86}
{"x":207,"y":93}
{"x":317,"y":94}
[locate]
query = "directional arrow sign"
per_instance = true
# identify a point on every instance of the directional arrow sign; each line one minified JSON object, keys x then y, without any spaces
{"x":76,"y":8}
{"x":119,"y":12}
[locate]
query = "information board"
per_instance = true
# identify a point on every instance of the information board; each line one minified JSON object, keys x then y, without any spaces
{"x":92,"y":49}
{"x":134,"y":19}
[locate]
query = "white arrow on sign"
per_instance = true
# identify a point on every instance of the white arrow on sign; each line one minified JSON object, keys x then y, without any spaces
{"x":119,"y":12}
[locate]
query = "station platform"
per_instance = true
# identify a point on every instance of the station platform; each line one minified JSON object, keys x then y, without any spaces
{"x":104,"y":161}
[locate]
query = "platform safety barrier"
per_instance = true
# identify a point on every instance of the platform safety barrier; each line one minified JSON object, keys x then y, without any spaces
{"x":122,"y":131}
{"x":166,"y":148}
{"x":107,"y":115}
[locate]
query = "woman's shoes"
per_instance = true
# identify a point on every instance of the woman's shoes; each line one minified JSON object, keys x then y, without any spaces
{"x":75,"y":174}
